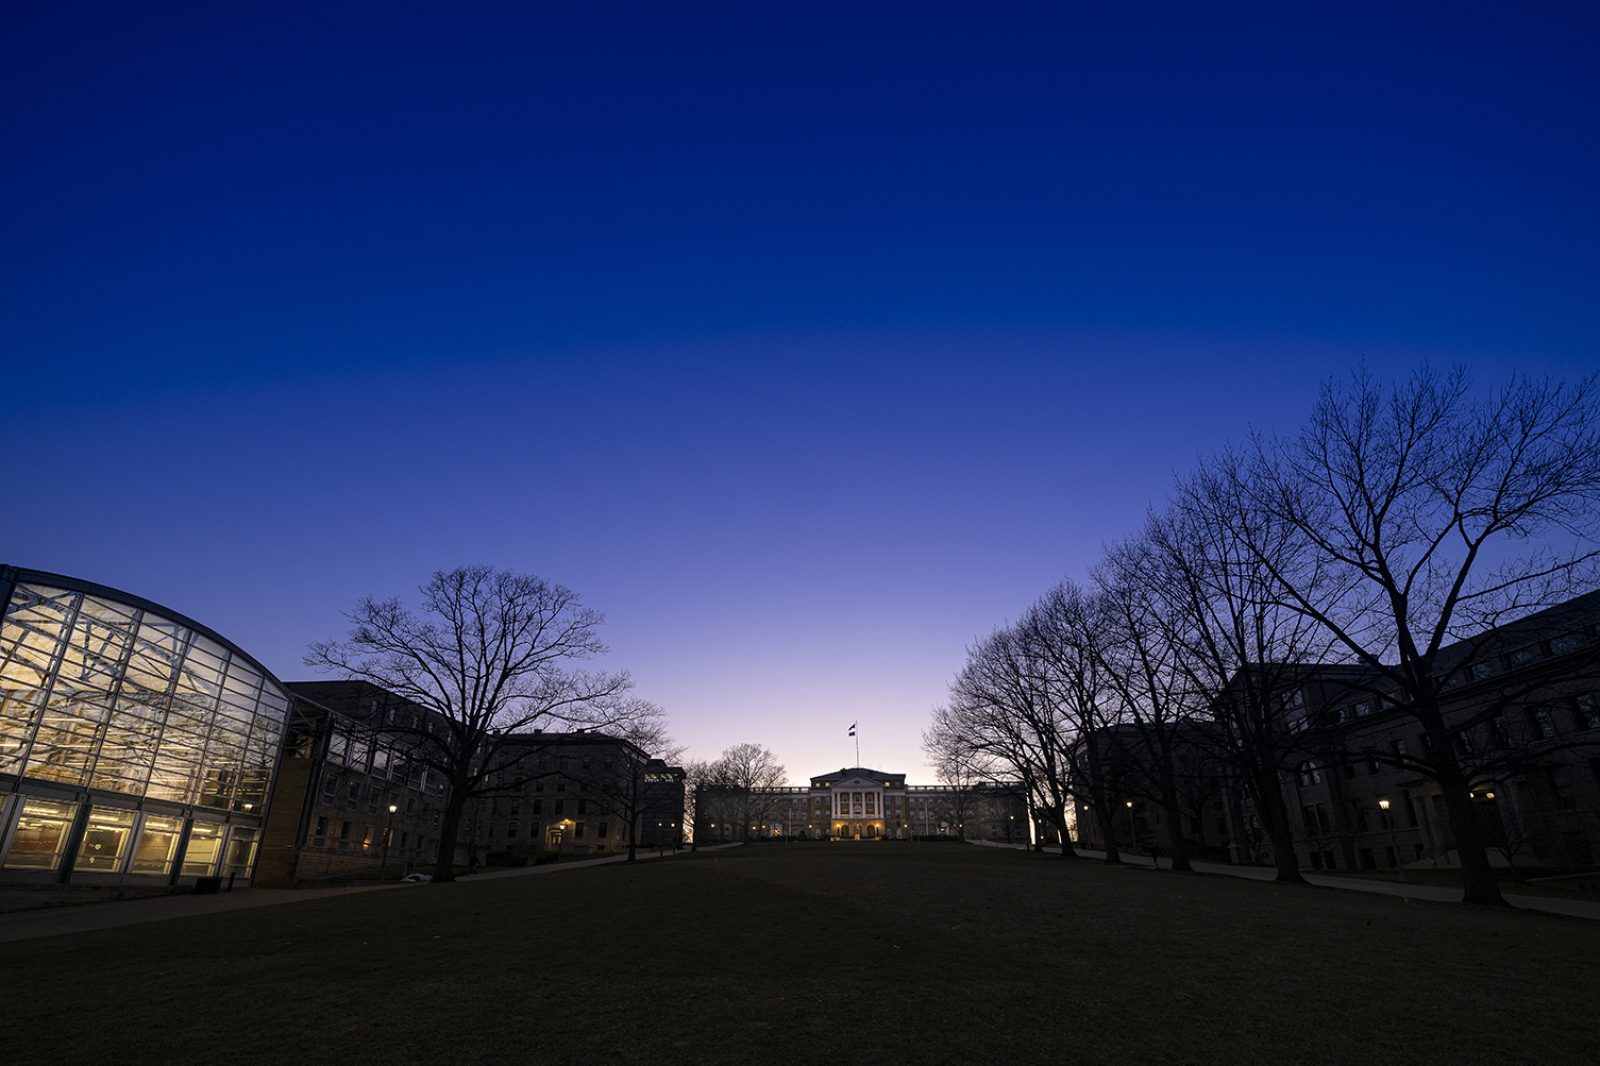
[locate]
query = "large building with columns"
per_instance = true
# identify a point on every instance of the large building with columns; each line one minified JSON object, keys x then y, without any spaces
{"x":859,"y":803}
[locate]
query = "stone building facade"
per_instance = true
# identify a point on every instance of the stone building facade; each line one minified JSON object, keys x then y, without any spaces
{"x":859,"y":803}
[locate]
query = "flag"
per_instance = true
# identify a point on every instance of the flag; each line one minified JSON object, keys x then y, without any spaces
{"x":852,"y":729}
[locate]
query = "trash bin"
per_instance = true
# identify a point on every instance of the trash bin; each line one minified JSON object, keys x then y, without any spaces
{"x":207,"y":886}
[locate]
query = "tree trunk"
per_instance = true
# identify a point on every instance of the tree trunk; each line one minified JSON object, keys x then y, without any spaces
{"x":1274,"y":813}
{"x":1102,"y":805}
{"x":1169,"y":800}
{"x":1477,"y":876}
{"x":1059,"y":818}
{"x":444,"y":864}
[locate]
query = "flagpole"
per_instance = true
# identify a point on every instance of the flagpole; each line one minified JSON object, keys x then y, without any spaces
{"x":858,"y":749}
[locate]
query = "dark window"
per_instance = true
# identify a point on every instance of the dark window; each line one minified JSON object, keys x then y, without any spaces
{"x":538,"y":805}
{"x":602,"y":830}
{"x":561,"y":784}
{"x":344,"y":830}
{"x":1568,"y":642}
{"x":560,"y":806}
{"x":511,"y":830}
{"x":1541,"y":723}
{"x":577,"y":830}
{"x":321,"y":830}
{"x":1586,"y":711}
{"x":583,"y":806}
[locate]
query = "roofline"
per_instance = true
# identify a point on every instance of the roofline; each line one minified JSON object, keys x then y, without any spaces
{"x":14,"y":575}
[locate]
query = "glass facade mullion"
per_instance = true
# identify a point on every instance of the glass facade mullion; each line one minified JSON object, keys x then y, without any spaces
{"x":112,"y":697}
{"x":114,"y":694}
{"x":42,"y":700}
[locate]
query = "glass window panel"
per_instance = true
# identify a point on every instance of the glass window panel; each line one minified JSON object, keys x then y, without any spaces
{"x":25,"y":667}
{"x":17,"y":713}
{"x":171,"y":781}
{"x":156,"y":652}
{"x":158,"y":843}
{"x":241,"y":854}
{"x":274,"y":704}
{"x":205,"y":844}
{"x":105,"y":840}
{"x":41,"y":835}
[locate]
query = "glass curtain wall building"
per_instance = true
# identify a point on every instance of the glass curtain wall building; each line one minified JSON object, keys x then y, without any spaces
{"x":136,"y":746}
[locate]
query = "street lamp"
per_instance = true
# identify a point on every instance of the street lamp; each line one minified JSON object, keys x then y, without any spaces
{"x":1394,"y":839}
{"x":388,"y":838}
{"x":1133,"y":834}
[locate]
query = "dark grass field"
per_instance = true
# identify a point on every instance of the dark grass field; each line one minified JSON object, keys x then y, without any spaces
{"x":848,"y":953}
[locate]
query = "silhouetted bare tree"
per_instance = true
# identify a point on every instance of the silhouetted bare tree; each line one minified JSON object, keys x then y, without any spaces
{"x":490,"y":654}
{"x":1423,"y":517}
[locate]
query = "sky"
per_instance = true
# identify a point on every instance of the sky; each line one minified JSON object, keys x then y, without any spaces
{"x":808,"y":345}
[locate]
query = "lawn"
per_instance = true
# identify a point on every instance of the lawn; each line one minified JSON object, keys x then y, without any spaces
{"x":846,"y":953}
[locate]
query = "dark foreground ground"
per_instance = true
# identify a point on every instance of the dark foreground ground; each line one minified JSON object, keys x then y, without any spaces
{"x":863,"y":953}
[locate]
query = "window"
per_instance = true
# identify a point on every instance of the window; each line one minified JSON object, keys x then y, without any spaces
{"x":1361,"y":708}
{"x":344,"y":832}
{"x":1586,"y":711}
{"x":1542,"y":723}
{"x":321,"y":830}
{"x":330,"y":788}
{"x":205,"y":844}
{"x":354,"y":794}
{"x":366,"y":838}
{"x":561,"y":784}
{"x":105,"y":840}
{"x":538,"y":805}
{"x":1522,"y":656}
{"x":583,"y":806}
{"x":511,"y":830}
{"x":157,"y":846}
{"x":577,"y":830}
{"x":601,"y":832}
{"x":1399,"y":748}
{"x":1567,"y":642}
{"x":560,"y":806}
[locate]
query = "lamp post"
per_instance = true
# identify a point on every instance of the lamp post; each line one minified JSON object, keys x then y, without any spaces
{"x":1394,"y":839}
{"x":1133,"y":835}
{"x":388,"y":838}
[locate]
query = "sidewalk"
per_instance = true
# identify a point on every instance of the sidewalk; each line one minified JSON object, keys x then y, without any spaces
{"x":1573,"y":908}
{"x":89,"y":917}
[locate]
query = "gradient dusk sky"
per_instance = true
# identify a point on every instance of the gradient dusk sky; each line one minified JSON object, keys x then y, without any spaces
{"x":807,"y":348}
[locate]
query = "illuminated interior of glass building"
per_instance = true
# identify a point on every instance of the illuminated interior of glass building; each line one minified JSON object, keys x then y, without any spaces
{"x":136,"y":746}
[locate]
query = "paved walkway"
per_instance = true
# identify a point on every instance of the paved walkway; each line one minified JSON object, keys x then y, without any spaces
{"x":88,"y":917}
{"x":1575,"y":908}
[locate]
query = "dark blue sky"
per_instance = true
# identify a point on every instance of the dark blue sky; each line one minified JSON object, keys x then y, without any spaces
{"x":807,"y":348}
